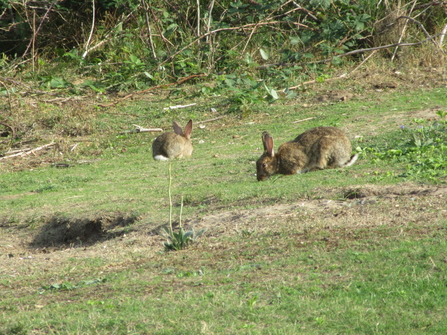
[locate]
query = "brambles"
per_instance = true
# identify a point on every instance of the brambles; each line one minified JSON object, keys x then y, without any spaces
{"x":124,"y":44}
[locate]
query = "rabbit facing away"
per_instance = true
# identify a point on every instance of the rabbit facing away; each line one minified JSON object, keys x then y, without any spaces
{"x":175,"y":144}
{"x":315,"y":149}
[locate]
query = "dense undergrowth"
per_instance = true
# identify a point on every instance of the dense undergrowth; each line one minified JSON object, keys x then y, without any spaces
{"x":252,"y":48}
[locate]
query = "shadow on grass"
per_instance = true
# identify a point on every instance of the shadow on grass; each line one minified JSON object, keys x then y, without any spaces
{"x":61,"y":230}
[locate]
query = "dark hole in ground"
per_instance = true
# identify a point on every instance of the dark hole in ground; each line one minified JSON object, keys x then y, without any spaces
{"x":64,"y":230}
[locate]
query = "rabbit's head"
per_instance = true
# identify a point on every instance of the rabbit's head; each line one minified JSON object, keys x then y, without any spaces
{"x":179,"y":131}
{"x":267,"y":164}
{"x":182,"y":144}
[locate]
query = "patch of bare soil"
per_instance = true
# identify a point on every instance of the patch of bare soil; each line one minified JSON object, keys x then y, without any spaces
{"x":363,"y":206}
{"x":358,"y":207}
{"x":123,"y":242}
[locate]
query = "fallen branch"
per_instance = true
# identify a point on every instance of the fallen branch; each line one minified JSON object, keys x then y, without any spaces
{"x":309,"y":118}
{"x":28,"y":151}
{"x":179,"y":106}
{"x":210,"y":120}
{"x":139,"y":129}
{"x":63,"y":99}
{"x":153,"y":88}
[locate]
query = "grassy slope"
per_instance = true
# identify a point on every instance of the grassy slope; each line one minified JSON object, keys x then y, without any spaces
{"x":126,"y":178}
{"x":278,"y":280}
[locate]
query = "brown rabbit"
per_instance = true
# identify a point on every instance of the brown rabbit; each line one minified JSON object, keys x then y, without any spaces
{"x":316,"y":149}
{"x":175,"y":144}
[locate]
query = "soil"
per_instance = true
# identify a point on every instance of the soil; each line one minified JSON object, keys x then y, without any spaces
{"x":363,"y":207}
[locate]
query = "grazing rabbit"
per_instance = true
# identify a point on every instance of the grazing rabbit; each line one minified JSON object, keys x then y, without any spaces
{"x":316,"y":149}
{"x":175,"y":144}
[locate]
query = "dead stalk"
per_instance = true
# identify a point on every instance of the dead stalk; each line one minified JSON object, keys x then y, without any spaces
{"x":92,"y":29}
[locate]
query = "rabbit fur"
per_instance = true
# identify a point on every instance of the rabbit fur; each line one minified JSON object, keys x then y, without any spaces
{"x":315,"y":149}
{"x":175,"y":144}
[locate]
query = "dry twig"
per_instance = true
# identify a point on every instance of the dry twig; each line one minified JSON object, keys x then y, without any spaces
{"x":38,"y":29}
{"x":28,"y":151}
{"x":92,"y":29}
{"x":179,"y":106}
{"x":298,"y":121}
{"x":139,"y":129}
{"x":210,"y":120}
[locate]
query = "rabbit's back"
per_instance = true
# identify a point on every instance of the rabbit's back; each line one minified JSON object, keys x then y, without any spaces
{"x":309,"y":137}
{"x":171,"y":145}
{"x":175,"y":144}
{"x":325,"y":147}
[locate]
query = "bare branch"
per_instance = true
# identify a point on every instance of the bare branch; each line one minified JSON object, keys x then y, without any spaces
{"x":139,"y":129}
{"x":28,"y":151}
{"x":403,"y":31}
{"x":38,"y":29}
{"x":92,"y":29}
{"x":149,"y":31}
{"x":210,"y":120}
{"x":228,"y":29}
{"x":377,"y":48}
{"x":298,"y":121}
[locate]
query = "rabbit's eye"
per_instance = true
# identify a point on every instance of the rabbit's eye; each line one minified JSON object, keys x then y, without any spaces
{"x":264,"y":165}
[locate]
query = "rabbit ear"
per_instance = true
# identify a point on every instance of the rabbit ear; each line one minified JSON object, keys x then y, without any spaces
{"x":265,"y":135}
{"x":188,"y":130}
{"x":267,"y":140}
{"x":177,"y":128}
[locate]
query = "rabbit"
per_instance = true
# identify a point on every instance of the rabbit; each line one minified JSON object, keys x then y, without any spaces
{"x":175,"y":144}
{"x":315,"y":149}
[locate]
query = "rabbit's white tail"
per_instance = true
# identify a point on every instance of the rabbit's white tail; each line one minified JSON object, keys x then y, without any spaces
{"x":160,"y":158}
{"x":352,"y":160}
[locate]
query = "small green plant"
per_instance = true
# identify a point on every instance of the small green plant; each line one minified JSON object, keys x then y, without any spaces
{"x":181,"y":239}
{"x":66,"y":286}
{"x":423,"y":150}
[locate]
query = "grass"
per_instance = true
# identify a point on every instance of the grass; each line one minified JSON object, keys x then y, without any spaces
{"x":289,"y":255}
{"x":125,"y":172}
{"x":309,"y":285}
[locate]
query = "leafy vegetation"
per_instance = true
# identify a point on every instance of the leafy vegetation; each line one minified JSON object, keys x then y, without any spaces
{"x":117,"y":45}
{"x":423,"y":149}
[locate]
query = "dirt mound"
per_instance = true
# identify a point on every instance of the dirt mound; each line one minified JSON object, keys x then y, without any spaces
{"x":366,"y":205}
{"x":388,"y":191}
{"x":361,"y":206}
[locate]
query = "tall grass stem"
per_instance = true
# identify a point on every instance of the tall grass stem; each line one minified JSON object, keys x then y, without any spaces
{"x":181,"y":210}
{"x":170,"y":197}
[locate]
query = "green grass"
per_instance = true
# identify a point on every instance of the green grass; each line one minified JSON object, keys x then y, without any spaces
{"x":317,"y":271}
{"x":124,"y":176}
{"x":367,"y":286}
